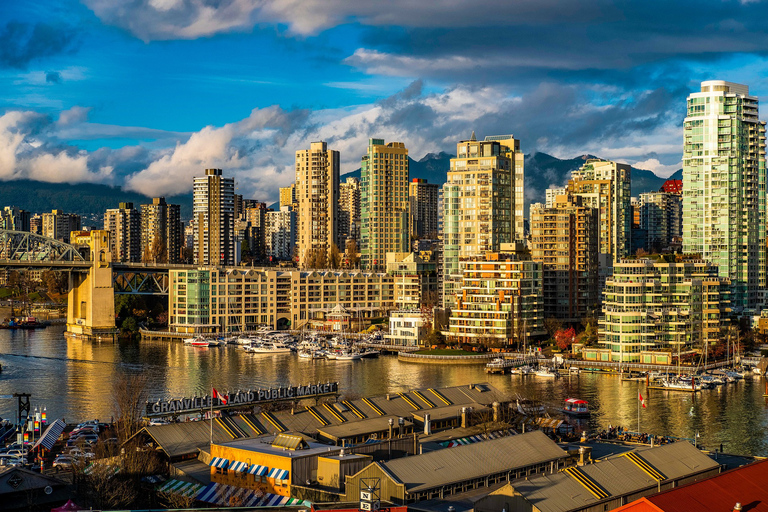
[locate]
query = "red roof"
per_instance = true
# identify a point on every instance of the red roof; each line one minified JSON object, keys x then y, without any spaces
{"x":745,"y":485}
{"x":672,"y":186}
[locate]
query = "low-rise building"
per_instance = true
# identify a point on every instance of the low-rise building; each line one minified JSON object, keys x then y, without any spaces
{"x":653,"y":305}
{"x":223,"y":299}
{"x":407,"y":328}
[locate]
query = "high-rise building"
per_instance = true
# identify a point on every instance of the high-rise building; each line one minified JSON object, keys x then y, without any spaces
{"x":384,"y":203}
{"x":14,"y":219}
{"x":660,"y":219}
{"x":280,"y":234}
{"x":478,"y":208}
{"x":423,"y":198}
{"x":552,"y":193}
{"x":254,"y":228}
{"x":349,"y":212}
{"x":657,"y":306}
{"x":124,"y":226}
{"x":59,"y":225}
{"x":510,"y":147}
{"x":564,"y":238}
{"x":724,"y":186}
{"x":36,"y":224}
{"x":288,"y":196}
{"x":415,"y":276}
{"x":605,"y":185}
{"x":214,"y":211}
{"x":500,"y":301}
{"x":317,"y":192}
{"x":162,"y":232}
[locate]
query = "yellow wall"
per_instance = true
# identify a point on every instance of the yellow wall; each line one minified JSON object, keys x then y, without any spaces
{"x":249,"y":481}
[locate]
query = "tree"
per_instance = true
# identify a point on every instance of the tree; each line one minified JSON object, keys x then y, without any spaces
{"x":552,"y":325}
{"x":589,"y":335}
{"x":334,"y":258}
{"x":352,"y":253}
{"x":565,"y":338}
{"x":129,"y":396}
{"x":434,"y":338}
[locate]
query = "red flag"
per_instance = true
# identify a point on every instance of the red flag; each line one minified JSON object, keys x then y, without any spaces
{"x":642,"y":400}
{"x":223,"y":399}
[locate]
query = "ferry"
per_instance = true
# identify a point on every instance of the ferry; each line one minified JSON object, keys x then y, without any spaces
{"x":576,"y":407}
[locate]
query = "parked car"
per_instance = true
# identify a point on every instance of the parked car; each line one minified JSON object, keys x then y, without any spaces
{"x":63,"y":462}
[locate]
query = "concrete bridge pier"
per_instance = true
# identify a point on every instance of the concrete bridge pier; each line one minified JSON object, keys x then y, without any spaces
{"x":91,"y":296}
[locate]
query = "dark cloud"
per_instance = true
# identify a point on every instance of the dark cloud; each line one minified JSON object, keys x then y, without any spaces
{"x":22,"y":43}
{"x":53,"y":77}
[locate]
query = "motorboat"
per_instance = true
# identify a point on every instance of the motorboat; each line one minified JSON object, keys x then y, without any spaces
{"x":576,"y":407}
{"x":310,"y":354}
{"x":547,"y":373}
{"x":528,"y":407}
{"x":522,"y":370}
{"x":270,"y":347}
{"x":682,"y":384}
{"x":348,"y":356}
{"x":370,"y":353}
{"x":244,"y":340}
{"x":196,"y":342}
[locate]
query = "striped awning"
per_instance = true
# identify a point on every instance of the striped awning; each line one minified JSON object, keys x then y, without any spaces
{"x":51,"y":434}
{"x":228,"y":495}
{"x":238,"y":466}
{"x":180,"y":487}
{"x":102,"y":470}
{"x":219,"y":462}
{"x":278,"y":474}
{"x":258,"y":470}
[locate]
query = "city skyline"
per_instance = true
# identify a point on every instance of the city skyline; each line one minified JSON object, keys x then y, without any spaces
{"x":149,"y":95}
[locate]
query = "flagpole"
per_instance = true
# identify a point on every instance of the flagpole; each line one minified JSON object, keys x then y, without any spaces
{"x":211,"y":438}
{"x":638,"y":412}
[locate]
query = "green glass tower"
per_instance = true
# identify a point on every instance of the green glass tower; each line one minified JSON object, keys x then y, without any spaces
{"x":724,"y":186}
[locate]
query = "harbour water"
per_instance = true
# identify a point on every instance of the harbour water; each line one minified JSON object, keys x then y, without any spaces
{"x":72,"y":379}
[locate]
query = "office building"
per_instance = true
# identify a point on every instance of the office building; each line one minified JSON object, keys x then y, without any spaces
{"x":384,"y":203}
{"x":653,"y":309}
{"x":510,"y":147}
{"x":564,"y":237}
{"x":59,"y":225}
{"x":280,"y":234}
{"x":14,"y":219}
{"x":124,"y":226}
{"x":317,"y":192}
{"x":478,"y":208}
{"x":349,"y":213}
{"x":214,"y":211}
{"x":724,"y":192}
{"x":162,"y":235}
{"x":500,"y":302}
{"x":423,"y":198}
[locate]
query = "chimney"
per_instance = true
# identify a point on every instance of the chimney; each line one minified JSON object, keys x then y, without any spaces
{"x":464,"y":417}
{"x":496,"y":407}
{"x":427,"y":425}
{"x":401,"y":423}
{"x":737,"y":507}
{"x":391,"y":424}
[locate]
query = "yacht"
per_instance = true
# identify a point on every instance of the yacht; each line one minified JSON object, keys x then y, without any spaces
{"x":522,"y":370}
{"x":199,"y":341}
{"x":244,"y":340}
{"x":546,"y":372}
{"x":270,"y":347}
{"x":348,"y":356}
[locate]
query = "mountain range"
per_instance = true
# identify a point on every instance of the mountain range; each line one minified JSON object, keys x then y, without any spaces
{"x":92,"y":200}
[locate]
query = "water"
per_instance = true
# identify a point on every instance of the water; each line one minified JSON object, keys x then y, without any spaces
{"x":73,"y":380}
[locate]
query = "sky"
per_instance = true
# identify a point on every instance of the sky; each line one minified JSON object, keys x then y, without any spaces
{"x":145,"y":94}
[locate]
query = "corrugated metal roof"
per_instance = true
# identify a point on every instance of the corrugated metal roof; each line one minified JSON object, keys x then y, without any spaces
{"x":177,"y":439}
{"x":462,"y":463}
{"x":618,"y":476}
{"x":745,"y":485}
{"x":361,"y":427}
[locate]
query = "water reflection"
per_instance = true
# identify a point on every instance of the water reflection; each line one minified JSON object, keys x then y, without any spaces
{"x":73,"y":380}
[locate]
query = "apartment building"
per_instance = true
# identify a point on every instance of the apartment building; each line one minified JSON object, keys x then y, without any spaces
{"x":124,"y":226}
{"x":510,"y":148}
{"x":423,"y":199}
{"x":349,"y":212}
{"x":384,"y":203}
{"x":280,"y":234}
{"x":213,"y":206}
{"x":415,"y":279}
{"x":59,"y":225}
{"x":564,"y":237}
{"x":162,"y":235}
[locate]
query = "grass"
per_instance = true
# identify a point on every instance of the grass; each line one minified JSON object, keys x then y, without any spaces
{"x":446,"y":352}
{"x":5,"y":292}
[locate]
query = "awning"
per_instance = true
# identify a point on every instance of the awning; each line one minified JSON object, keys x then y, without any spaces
{"x":51,"y":434}
{"x":219,"y":462}
{"x":229,"y":495}
{"x":258,"y":470}
{"x":278,"y":474}
{"x":238,"y":466}
{"x":180,"y":487}
{"x":102,"y":470}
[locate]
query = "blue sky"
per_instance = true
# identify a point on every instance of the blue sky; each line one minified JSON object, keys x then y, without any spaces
{"x":146,"y":93}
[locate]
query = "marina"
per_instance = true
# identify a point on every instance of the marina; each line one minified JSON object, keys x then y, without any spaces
{"x":71,"y":378}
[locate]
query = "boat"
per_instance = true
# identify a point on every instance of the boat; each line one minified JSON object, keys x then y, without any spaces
{"x":311,"y":354}
{"x":682,"y":384}
{"x":528,"y":407}
{"x":348,"y":356}
{"x":370,"y":353}
{"x":329,"y":354}
{"x":243,"y":340}
{"x":196,"y":342}
{"x":576,"y":407}
{"x":546,"y":372}
{"x":270,"y":347}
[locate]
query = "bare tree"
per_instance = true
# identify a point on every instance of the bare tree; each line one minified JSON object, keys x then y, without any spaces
{"x":129,"y":395}
{"x":353,"y":253}
{"x":334,"y":257}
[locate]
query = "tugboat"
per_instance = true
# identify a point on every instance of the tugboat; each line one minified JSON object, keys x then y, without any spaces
{"x":576,"y":407}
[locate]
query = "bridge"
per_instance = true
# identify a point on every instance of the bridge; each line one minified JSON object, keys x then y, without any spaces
{"x":94,"y":279}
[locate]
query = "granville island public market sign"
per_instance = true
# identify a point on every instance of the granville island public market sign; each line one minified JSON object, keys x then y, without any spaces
{"x":198,"y":403}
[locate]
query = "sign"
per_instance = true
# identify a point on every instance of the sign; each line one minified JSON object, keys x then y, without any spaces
{"x":370,"y":506}
{"x":197,"y":403}
{"x":366,"y":496}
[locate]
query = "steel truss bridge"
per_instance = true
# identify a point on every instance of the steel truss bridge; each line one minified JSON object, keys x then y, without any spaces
{"x":21,"y":250}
